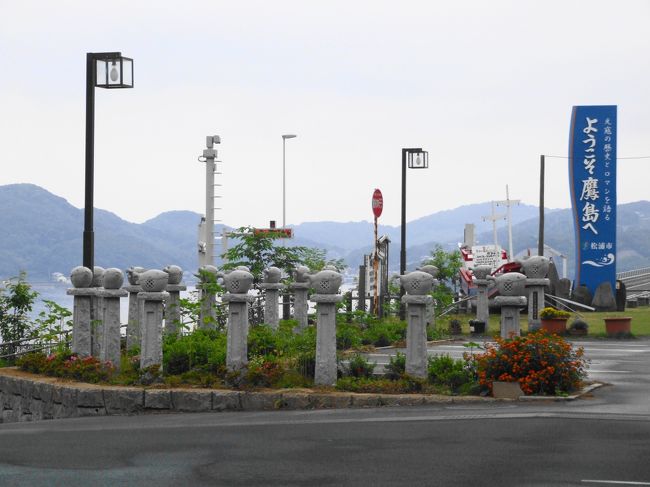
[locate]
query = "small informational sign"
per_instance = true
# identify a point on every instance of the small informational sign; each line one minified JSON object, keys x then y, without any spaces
{"x":274,"y":232}
{"x":377,"y":203}
{"x":487,"y":255}
{"x":592,"y":179}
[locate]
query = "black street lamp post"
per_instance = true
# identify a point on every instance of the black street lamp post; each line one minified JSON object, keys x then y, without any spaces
{"x":413,"y":159}
{"x":103,"y":70}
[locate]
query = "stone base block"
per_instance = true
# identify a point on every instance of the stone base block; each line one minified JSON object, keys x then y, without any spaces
{"x":192,"y":401}
{"x":506,"y":390}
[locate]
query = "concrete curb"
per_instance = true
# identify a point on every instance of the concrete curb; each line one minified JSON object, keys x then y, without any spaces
{"x":573,"y":397}
{"x":29,"y":397}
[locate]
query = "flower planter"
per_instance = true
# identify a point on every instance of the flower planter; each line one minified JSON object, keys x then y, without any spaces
{"x":506,"y":390}
{"x":621,"y":325}
{"x":554,"y":325}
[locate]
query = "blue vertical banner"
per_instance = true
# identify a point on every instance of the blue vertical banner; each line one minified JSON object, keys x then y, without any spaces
{"x":592,"y":179}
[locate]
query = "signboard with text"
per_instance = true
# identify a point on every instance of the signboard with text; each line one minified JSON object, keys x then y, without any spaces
{"x":592,"y":180}
{"x":487,"y":255}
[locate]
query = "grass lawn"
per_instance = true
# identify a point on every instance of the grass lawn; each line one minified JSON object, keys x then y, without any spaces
{"x":640,"y":321}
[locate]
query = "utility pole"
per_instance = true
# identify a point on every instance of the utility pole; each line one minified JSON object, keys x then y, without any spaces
{"x":493,"y":218}
{"x":209,"y":156}
{"x":540,"y":238}
{"x":508,"y":203}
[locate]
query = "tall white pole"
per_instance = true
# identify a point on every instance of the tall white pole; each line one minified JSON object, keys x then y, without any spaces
{"x":494,"y":226}
{"x":284,"y":179}
{"x":510,"y":254}
{"x":284,"y":188}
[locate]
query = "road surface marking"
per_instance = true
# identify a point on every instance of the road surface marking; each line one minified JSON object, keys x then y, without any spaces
{"x":618,"y":482}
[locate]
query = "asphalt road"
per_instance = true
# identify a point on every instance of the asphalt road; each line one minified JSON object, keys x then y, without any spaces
{"x":599,"y":440}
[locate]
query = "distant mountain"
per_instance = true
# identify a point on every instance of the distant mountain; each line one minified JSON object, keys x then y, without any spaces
{"x":42,"y":233}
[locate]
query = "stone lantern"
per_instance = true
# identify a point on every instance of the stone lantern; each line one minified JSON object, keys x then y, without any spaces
{"x":536,"y":269}
{"x":326,"y":283}
{"x":207,"y":275}
{"x":152,"y":298}
{"x":237,"y":283}
{"x":512,"y":290}
{"x":173,"y":308}
{"x":418,"y":285}
{"x":300,"y":288}
{"x":111,"y":294}
{"x":271,"y":286}
{"x":482,"y":279}
{"x":82,"y":293}
{"x":133,"y":335}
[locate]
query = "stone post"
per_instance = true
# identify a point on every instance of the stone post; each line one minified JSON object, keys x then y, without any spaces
{"x":482,"y":276}
{"x":271,"y":286}
{"x":173,"y":308}
{"x":418,"y":285}
{"x":151,"y":305}
{"x":111,"y":338}
{"x":237,"y":283}
{"x":431,"y":310}
{"x":300,"y":305}
{"x":133,"y":335}
{"x":97,"y":311}
{"x":512,"y":287}
{"x":207,"y":316}
{"x":326,"y":283}
{"x":82,"y":293}
{"x":536,"y":268}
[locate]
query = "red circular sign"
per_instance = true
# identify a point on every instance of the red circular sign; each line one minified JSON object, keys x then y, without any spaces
{"x":377,"y":203}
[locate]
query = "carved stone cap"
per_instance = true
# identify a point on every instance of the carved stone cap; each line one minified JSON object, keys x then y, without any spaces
{"x":517,"y":301}
{"x":82,"y":291}
{"x":417,"y":299}
{"x":531,"y":281}
{"x":536,"y":266}
{"x":482,"y":271}
{"x":271,"y":285}
{"x":326,"y":298}
{"x":112,"y":293}
{"x":153,"y":296}
{"x":175,"y":288}
{"x":237,"y":298}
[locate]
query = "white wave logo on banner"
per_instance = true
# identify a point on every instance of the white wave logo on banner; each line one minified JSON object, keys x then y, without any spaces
{"x":605,"y":261}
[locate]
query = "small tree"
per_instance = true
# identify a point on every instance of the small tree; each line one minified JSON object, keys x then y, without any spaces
{"x":257,"y":252}
{"x":448,"y":264}
{"x":16,"y":301}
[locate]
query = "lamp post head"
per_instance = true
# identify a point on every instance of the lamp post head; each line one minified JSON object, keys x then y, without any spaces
{"x":112,"y":70}
{"x":289,"y":136}
{"x":418,"y":159}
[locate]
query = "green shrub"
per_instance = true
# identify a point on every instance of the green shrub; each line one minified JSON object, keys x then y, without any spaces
{"x":384,"y":333}
{"x":443,"y":370}
{"x":199,"y":349}
{"x":396,"y":367}
{"x":347,"y":336}
{"x":359,"y":366}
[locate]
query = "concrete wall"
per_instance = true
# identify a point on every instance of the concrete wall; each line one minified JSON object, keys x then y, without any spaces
{"x":26,"y":397}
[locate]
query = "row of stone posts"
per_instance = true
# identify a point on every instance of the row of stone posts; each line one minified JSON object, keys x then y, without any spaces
{"x":516,"y":290}
{"x":96,"y":311}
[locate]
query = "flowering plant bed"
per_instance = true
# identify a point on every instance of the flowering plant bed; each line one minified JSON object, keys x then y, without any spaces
{"x":542,"y":364}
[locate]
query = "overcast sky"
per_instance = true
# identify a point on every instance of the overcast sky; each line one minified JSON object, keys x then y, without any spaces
{"x":484,"y":86}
